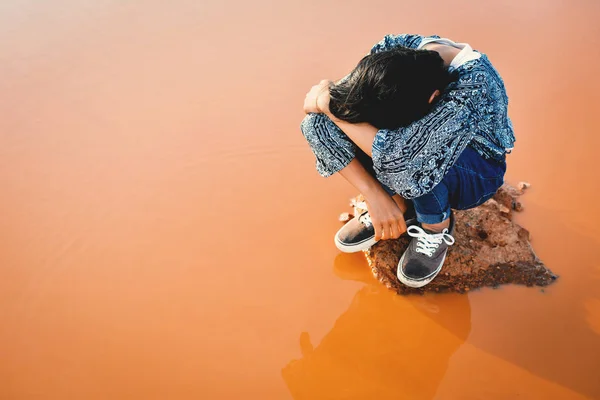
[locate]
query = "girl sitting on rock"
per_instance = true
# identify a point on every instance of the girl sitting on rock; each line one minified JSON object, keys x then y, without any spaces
{"x":419,"y":127}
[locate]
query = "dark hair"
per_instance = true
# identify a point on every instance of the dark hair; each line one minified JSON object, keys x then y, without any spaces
{"x":389,"y":89}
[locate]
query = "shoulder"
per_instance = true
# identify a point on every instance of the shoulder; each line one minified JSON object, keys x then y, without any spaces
{"x":479,"y":79}
{"x":390,"y":41}
{"x":470,"y":80}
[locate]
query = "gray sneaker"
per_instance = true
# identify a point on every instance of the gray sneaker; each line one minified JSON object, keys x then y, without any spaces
{"x":358,"y":234}
{"x":425,"y":255}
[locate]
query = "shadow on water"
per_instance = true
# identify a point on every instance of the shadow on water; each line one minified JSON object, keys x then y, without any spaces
{"x":388,"y":346}
{"x":383,"y":346}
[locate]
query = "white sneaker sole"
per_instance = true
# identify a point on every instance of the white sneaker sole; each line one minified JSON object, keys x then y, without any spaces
{"x":421,"y":282}
{"x":355,"y":248}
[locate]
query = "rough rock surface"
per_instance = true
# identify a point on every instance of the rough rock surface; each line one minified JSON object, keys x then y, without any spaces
{"x":490,"y":250}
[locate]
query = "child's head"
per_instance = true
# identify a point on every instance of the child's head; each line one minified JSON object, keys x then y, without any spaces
{"x":391,"y":88}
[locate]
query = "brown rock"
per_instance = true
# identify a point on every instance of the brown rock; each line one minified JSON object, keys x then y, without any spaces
{"x":490,"y":250}
{"x":345,"y":217}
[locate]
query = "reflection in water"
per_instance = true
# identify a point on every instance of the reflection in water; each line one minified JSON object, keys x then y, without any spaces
{"x":383,"y":346}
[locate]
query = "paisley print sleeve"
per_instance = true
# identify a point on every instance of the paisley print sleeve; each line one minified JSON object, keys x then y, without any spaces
{"x":413,"y":159}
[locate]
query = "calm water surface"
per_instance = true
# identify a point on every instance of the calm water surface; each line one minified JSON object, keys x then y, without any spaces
{"x":164,"y":235}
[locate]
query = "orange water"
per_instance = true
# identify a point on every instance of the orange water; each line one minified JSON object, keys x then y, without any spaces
{"x":163,"y":233}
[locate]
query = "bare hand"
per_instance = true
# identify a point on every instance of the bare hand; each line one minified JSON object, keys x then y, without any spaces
{"x":386,"y":216}
{"x":317,"y":98}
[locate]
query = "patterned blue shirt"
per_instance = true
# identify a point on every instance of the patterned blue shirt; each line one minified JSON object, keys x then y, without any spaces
{"x":413,"y":159}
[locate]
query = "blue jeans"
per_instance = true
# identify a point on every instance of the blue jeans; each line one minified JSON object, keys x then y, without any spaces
{"x":470,"y":182}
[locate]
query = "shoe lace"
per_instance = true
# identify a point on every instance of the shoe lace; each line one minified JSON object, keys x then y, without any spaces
{"x":364,"y":218}
{"x":427,"y":243}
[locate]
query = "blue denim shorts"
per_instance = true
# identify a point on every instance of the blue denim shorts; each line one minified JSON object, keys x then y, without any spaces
{"x":470,"y":182}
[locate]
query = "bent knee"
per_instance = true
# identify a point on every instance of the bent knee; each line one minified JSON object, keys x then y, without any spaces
{"x":311,"y":123}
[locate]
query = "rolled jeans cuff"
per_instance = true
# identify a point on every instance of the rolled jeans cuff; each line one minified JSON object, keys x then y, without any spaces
{"x":433,"y":218}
